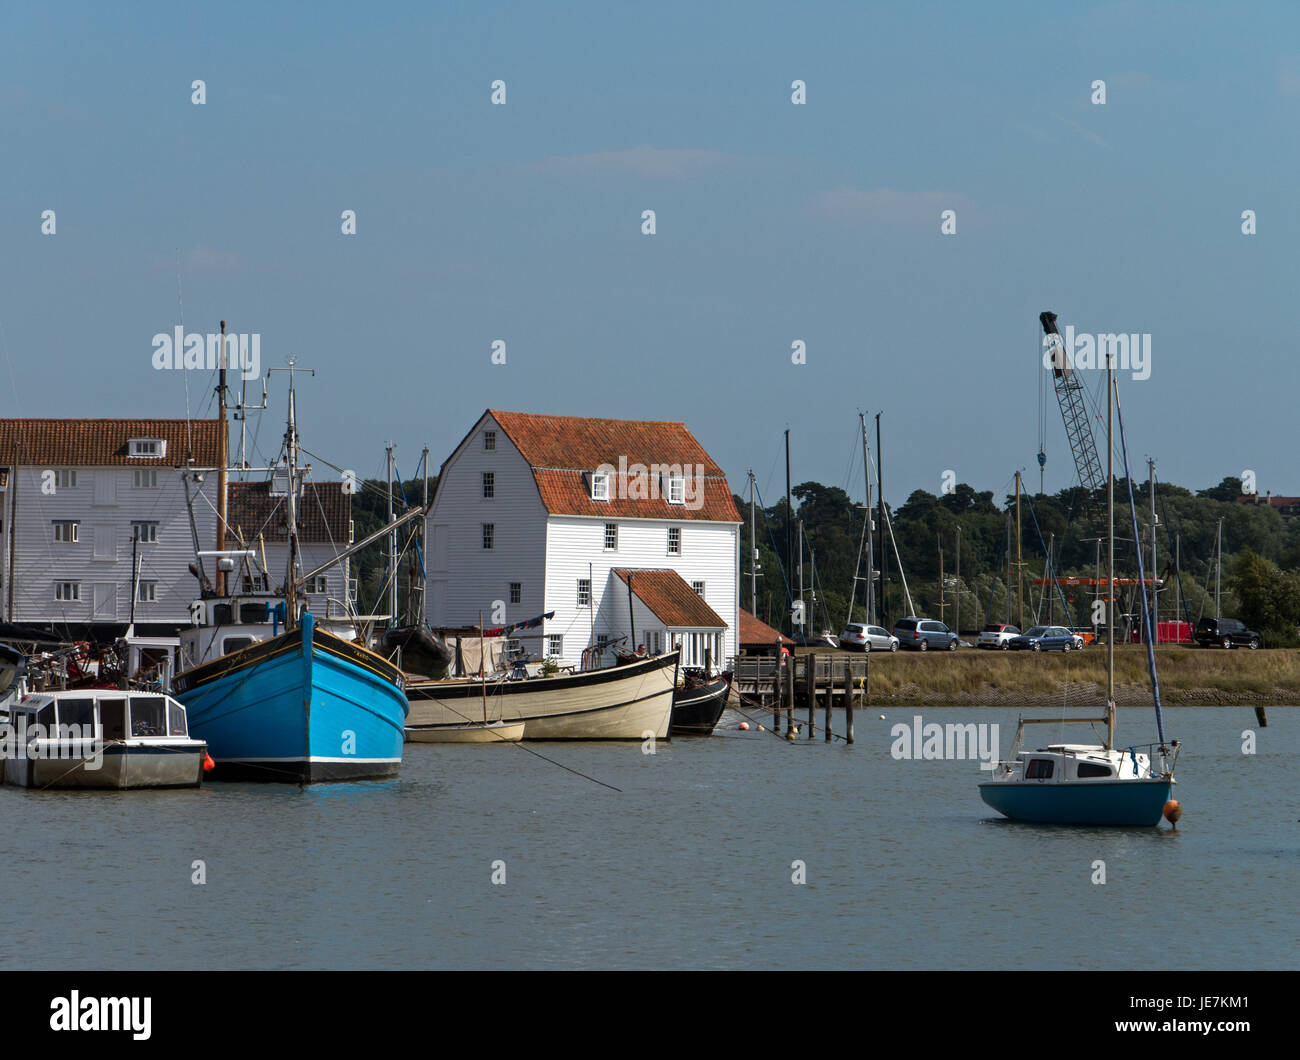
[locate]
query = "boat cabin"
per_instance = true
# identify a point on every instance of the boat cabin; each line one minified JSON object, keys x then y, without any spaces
{"x":1072,"y":762}
{"x":223,"y":625}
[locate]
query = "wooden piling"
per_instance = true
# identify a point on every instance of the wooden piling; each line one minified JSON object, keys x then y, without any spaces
{"x":848,"y":702}
{"x":1261,"y":717}
{"x":826,"y":718}
{"x":776,"y":687}
{"x":810,"y":689}
{"x":789,"y":698}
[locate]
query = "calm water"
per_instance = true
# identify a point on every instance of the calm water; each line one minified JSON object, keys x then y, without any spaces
{"x":690,"y":866}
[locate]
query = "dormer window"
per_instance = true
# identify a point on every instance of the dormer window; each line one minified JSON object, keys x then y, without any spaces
{"x":600,"y":485}
{"x":676,"y":489}
{"x":149,"y":448}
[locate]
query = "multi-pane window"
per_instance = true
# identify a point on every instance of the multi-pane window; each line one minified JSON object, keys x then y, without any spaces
{"x":489,"y":485}
{"x":674,"y":540}
{"x":554,"y":645}
{"x":489,"y":534}
{"x":145,"y":532}
{"x":318,"y":584}
{"x":611,"y":536}
{"x":698,"y":587}
{"x":584,"y":592}
{"x":489,"y":441}
{"x":599,"y":486}
{"x":67,"y":591}
{"x":148,"y":592}
{"x":516,"y":592}
{"x":676,"y":490}
{"x":145,"y":479}
{"x":147,"y":447}
{"x":65,"y":531}
{"x":65,"y":478}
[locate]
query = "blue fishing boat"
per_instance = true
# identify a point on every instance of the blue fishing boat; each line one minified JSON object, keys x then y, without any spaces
{"x":278,"y":693}
{"x":302,"y":705}
{"x":1087,"y":784}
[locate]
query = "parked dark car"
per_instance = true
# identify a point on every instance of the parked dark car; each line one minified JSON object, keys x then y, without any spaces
{"x":924,"y":634}
{"x":1226,"y":632}
{"x":1046,"y":638}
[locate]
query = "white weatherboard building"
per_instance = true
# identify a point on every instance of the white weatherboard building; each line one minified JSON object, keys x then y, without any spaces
{"x":619,"y":527}
{"x":75,"y":493}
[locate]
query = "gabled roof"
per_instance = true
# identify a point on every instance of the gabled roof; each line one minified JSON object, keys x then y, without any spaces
{"x":96,"y":443}
{"x":563,"y":451}
{"x":755,"y":631}
{"x":324,"y":513}
{"x":673,"y":602}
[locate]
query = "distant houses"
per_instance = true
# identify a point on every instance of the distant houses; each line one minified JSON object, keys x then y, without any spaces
{"x":77,"y":496}
{"x":619,"y":528}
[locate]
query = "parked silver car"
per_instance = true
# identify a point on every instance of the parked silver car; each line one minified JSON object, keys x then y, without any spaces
{"x":868,"y":638}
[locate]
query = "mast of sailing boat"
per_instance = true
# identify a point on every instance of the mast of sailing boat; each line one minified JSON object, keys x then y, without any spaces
{"x":222,"y":476}
{"x":291,"y":505}
{"x":1110,"y":553}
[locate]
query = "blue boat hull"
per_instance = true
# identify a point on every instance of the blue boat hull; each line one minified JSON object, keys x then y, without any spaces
{"x":301,"y":707}
{"x":1126,"y":802}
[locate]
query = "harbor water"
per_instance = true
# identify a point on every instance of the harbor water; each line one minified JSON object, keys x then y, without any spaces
{"x":691,"y":865}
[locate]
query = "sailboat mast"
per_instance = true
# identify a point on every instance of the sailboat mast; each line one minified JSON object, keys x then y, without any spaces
{"x":1020,"y":584}
{"x":880,"y":499}
{"x":222,"y":482}
{"x":1110,"y":552}
{"x":789,"y":522}
{"x":291,"y":505}
{"x":753,"y":551}
{"x":871,"y":552}
{"x":392,"y":546}
{"x":1155,"y":602}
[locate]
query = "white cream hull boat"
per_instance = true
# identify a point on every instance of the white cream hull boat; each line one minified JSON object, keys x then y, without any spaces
{"x":492,"y":732}
{"x":619,"y":703}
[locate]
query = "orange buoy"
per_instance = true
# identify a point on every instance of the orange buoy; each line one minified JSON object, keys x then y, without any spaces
{"x":744,"y":726}
{"x":208,"y":764}
{"x":1173,"y":811}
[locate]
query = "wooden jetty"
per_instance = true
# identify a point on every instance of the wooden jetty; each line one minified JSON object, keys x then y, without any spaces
{"x":780,"y":682}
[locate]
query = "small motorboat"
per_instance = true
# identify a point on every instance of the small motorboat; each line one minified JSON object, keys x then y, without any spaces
{"x":698,"y":703}
{"x":101,"y":738}
{"x":470,"y":732}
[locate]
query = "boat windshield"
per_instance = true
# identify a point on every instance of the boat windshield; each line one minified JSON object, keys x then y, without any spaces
{"x":147,"y":716}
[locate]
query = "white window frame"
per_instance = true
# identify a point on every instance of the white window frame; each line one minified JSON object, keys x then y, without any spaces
{"x":489,"y":441}
{"x":555,"y":645}
{"x":62,"y":590}
{"x":65,"y":531}
{"x":144,"y":479}
{"x":489,"y":485}
{"x":584,"y":590}
{"x":319,"y":585}
{"x":147,"y":529}
{"x":65,"y":478}
{"x":147,"y":592}
{"x":698,"y":589}
{"x":147,"y":448}
{"x":676,"y":489}
{"x":608,"y":528}
{"x":600,"y":485}
{"x":489,"y":539}
{"x":674,"y":534}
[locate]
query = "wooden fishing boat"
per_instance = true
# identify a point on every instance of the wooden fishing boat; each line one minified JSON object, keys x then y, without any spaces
{"x":470,"y":732}
{"x":698,"y":704}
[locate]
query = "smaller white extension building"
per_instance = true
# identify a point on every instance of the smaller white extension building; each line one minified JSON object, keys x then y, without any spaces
{"x":619,"y":527}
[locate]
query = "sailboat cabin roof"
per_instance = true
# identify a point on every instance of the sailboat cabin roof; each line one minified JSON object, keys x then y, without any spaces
{"x":646,"y":469}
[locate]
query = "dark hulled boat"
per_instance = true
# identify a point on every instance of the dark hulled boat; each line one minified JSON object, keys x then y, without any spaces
{"x":699,"y":703}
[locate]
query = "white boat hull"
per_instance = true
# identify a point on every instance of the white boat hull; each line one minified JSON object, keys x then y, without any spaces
{"x":620,"y":703}
{"x":494,"y":732}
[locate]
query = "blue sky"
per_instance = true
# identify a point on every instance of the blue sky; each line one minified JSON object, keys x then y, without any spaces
{"x":775,"y":222}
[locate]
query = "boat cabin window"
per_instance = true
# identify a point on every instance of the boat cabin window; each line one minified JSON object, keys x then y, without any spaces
{"x":78,"y":712}
{"x":45,"y":716}
{"x":235,"y":644}
{"x":112,"y":716}
{"x":1039,"y":769}
{"x":221,"y":615}
{"x":147,"y":716}
{"x":252,"y":612}
{"x":175,"y":720}
{"x":1092,"y":769}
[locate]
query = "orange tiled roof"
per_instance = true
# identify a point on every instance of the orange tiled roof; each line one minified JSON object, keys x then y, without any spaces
{"x":755,"y":631}
{"x":103,"y":443}
{"x":324,"y":513}
{"x":564,"y":450}
{"x":674,"y":602}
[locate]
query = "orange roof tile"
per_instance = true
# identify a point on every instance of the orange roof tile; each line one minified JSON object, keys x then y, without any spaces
{"x":563,"y":451}
{"x":755,"y":631}
{"x":96,"y":443}
{"x":674,"y":602}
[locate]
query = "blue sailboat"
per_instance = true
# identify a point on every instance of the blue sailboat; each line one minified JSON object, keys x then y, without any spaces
{"x":1088,"y":784}
{"x":277,"y":693}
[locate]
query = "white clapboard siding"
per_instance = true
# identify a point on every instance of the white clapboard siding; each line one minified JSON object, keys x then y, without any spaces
{"x":573,"y":542}
{"x":464,"y":579}
{"x":104,"y":503}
